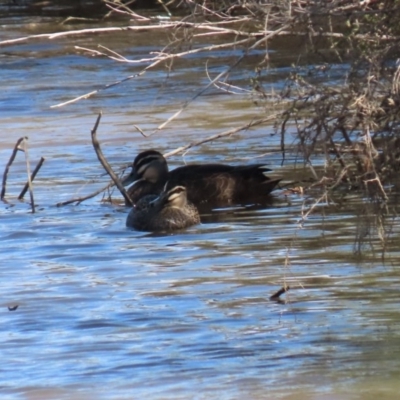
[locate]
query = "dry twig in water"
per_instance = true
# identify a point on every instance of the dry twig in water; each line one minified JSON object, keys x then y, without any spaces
{"x":10,"y":161}
{"x":25,"y":141}
{"x":34,"y":173}
{"x":276,"y":295}
{"x":106,"y":165}
{"x":89,"y":196}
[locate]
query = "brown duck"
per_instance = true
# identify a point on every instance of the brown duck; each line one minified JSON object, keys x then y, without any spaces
{"x":167,"y":212}
{"x":206,"y":184}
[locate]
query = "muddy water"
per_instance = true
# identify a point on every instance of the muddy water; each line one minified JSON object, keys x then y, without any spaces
{"x":105,"y":312}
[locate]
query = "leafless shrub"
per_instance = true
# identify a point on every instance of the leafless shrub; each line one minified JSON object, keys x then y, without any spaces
{"x":352,"y":119}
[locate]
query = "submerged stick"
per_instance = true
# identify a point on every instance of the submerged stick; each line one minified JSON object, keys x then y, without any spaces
{"x":29,"y":174}
{"x":10,"y":161}
{"x":35,"y":171}
{"x":277,"y":294}
{"x":105,"y":163}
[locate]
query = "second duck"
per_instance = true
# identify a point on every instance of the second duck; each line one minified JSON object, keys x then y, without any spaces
{"x":206,"y":184}
{"x":167,"y":212}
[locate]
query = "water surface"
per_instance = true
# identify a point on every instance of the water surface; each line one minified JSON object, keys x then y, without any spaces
{"x":105,"y":312}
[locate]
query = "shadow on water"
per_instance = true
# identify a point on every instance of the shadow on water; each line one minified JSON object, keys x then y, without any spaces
{"x":105,"y":312}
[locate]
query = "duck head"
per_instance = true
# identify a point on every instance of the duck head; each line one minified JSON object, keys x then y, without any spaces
{"x":149,"y":166}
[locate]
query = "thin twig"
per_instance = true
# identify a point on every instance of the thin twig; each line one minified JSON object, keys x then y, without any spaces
{"x":28,"y":172}
{"x":229,"y":88}
{"x":224,"y":84}
{"x":69,"y":19}
{"x":106,"y":165}
{"x":311,"y":209}
{"x":35,"y":171}
{"x":87,"y":95}
{"x":128,"y":11}
{"x":10,"y":161}
{"x":164,"y":7}
{"x":140,"y":130}
{"x":89,"y":196}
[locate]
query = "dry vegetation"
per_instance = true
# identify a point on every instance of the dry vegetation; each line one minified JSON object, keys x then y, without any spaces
{"x":351,"y":120}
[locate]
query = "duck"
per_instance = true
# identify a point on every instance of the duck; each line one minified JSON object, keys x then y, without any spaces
{"x":167,"y":212}
{"x":218,"y":185}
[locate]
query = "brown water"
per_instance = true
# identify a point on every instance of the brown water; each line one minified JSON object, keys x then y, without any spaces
{"x":105,"y":312}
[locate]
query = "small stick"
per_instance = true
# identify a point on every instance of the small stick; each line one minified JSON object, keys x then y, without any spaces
{"x":29,"y":174}
{"x":10,"y":161}
{"x":164,"y":7}
{"x":35,"y":171}
{"x":276,"y":295}
{"x":105,"y":163}
{"x":89,"y":196}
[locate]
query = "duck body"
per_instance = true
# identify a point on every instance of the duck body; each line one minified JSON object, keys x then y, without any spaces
{"x":223,"y":185}
{"x":213,"y":184}
{"x":167,"y":212}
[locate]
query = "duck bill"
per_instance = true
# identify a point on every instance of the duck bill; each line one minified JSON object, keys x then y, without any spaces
{"x":131,"y":178}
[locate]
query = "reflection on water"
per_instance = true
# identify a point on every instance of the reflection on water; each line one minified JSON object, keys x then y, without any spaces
{"x":105,"y":312}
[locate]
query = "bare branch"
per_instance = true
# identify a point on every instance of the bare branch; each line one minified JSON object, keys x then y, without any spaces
{"x":10,"y":161}
{"x":106,"y":165}
{"x":34,"y":173}
{"x":29,"y":174}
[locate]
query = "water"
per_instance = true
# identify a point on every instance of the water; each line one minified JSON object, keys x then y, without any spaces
{"x":105,"y":312}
